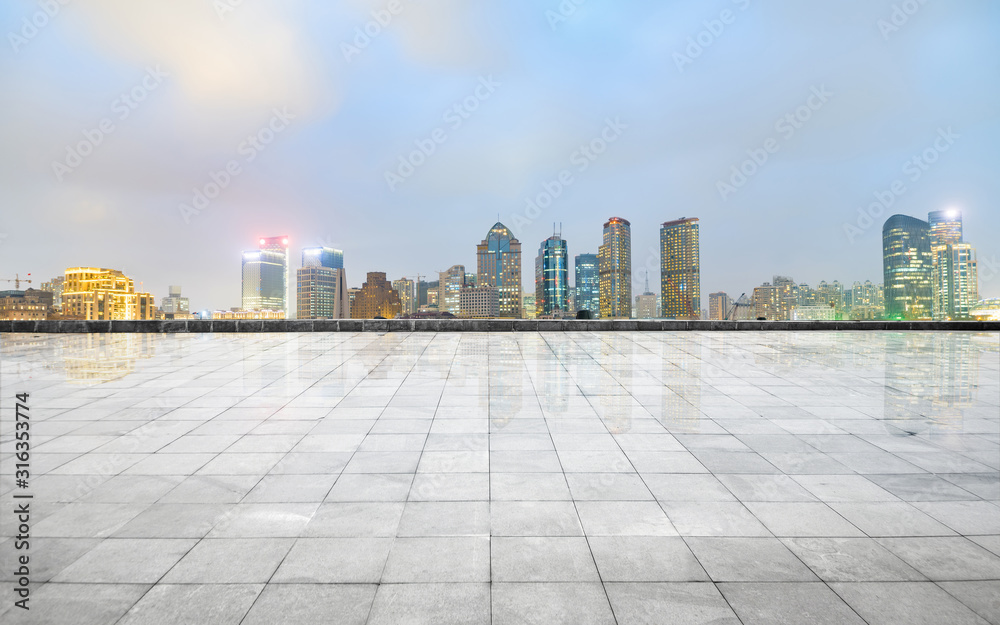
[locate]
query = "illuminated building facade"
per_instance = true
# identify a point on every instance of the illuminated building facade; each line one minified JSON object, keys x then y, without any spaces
{"x":551,"y":277}
{"x":719,"y":305}
{"x":104,"y":294}
{"x":407,"y":295}
{"x":680,"y":269}
{"x":614,"y":269}
{"x":479,"y":302}
{"x":587,"y":291}
{"x":376,"y":298}
{"x":908,"y":266}
{"x":31,"y":304}
{"x":955,"y":278}
{"x":498,"y":263}
{"x":265,"y":276}
{"x":321,"y":293}
{"x":236,"y":314}
{"x":322,"y":257}
{"x":450,"y":285}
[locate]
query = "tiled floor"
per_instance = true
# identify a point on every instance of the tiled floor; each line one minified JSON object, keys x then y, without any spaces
{"x":508,"y":478}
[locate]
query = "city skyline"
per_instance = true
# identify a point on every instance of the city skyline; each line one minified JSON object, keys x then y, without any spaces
{"x":600,"y":97}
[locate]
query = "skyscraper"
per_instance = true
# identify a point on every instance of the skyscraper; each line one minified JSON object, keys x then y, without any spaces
{"x":174,"y":304}
{"x":614,"y":268}
{"x":450,"y":284}
{"x":376,"y":298}
{"x":322,"y":257}
{"x":956,"y":276}
{"x":587,"y":286}
{"x":719,"y":305}
{"x":908,"y":266}
{"x":321,"y":293}
{"x":407,"y":295}
{"x":265,"y":276}
{"x":498,"y":263}
{"x":551,"y":276}
{"x":680,"y":269}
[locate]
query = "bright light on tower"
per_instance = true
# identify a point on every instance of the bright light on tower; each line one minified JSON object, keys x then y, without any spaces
{"x":262,"y":241}
{"x":284,"y":241}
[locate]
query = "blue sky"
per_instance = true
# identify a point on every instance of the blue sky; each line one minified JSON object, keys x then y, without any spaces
{"x":687,"y":91}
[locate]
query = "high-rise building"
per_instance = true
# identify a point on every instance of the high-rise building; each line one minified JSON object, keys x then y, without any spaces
{"x":322,"y":257}
{"x":321,"y":293}
{"x":945,"y":227}
{"x":680,"y":269}
{"x":450,"y":284}
{"x":479,"y":302}
{"x":173,"y":303}
{"x":104,"y":294}
{"x":376,"y":298}
{"x":955,"y":278}
{"x":956,"y":281}
{"x":551,"y":277}
{"x":767,"y":302}
{"x":908,"y":266}
{"x":55,"y":286}
{"x":498,"y":263}
{"x":719,"y":305}
{"x":528,"y":306}
{"x":265,"y":276}
{"x":614,"y":268}
{"x":587,"y":291}
{"x":407,"y":295}
{"x":787,"y":297}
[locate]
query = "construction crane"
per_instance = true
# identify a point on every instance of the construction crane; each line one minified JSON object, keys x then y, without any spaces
{"x":17,"y":280}
{"x":731,"y":315}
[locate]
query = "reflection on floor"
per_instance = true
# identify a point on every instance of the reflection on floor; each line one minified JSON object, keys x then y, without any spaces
{"x":508,"y":478}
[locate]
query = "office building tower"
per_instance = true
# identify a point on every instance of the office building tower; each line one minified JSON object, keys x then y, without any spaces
{"x":719,"y":305}
{"x":450,"y":284}
{"x":956,"y":281}
{"x":174,"y":304}
{"x":528,"y":307}
{"x":265,"y":276}
{"x":479,"y":302}
{"x":614,"y":268}
{"x":498,"y":263}
{"x":104,"y":294}
{"x":680,"y":269}
{"x":908,"y":266}
{"x":587,"y":291}
{"x":407,"y":295}
{"x":551,"y":277}
{"x":321,"y":293}
{"x":766,"y":300}
{"x":945,"y":227}
{"x":787,"y":297}
{"x":955,"y":273}
{"x":376,"y":298}
{"x":322,"y":257}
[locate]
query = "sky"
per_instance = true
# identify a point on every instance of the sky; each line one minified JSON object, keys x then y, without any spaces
{"x":165,"y":138}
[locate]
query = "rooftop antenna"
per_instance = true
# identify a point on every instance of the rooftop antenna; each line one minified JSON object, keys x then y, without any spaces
{"x":647,"y":281}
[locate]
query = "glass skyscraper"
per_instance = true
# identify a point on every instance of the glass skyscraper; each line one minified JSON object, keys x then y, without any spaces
{"x":680,"y":269}
{"x":551,"y":276}
{"x":265,"y":276}
{"x":322,"y":257}
{"x":908,"y":268}
{"x":614,"y":268}
{"x":956,"y":276}
{"x":498,"y":264}
{"x":587,"y":285}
